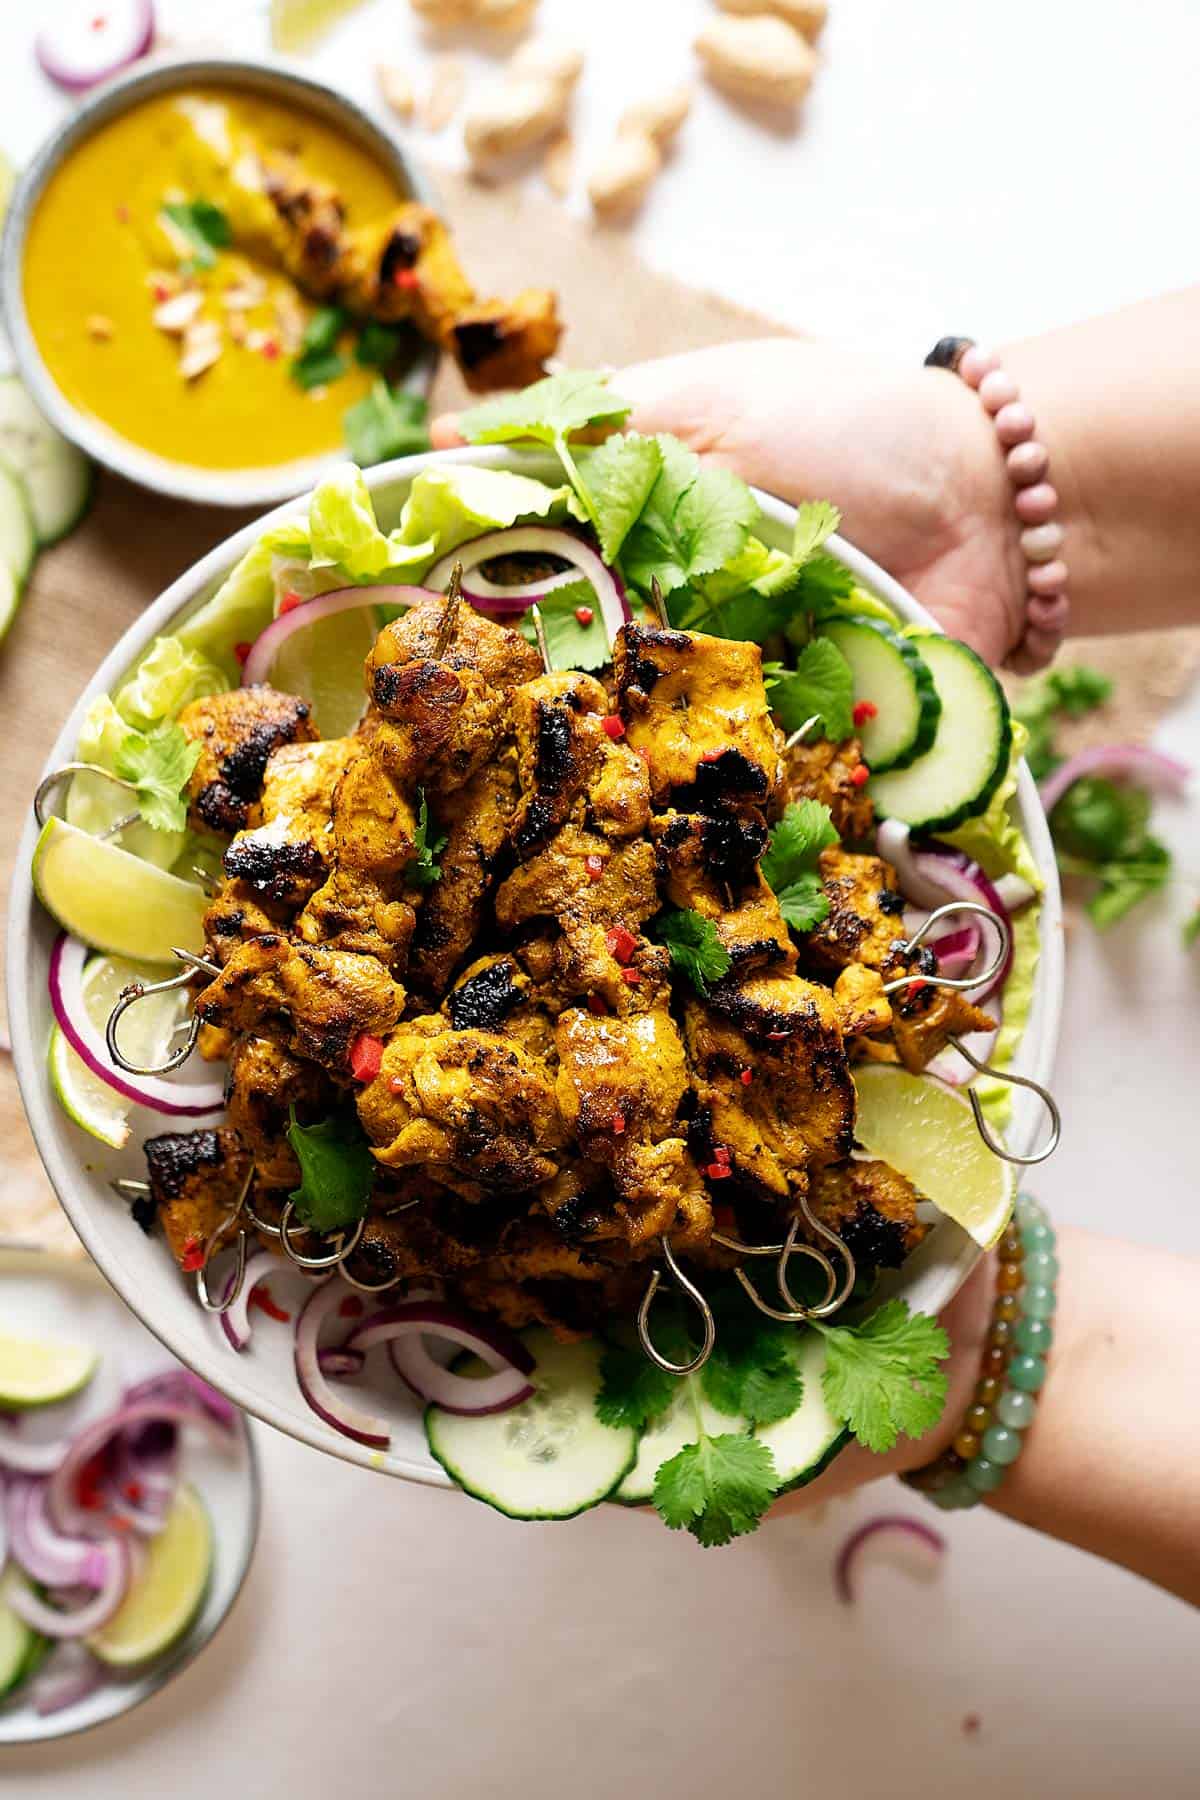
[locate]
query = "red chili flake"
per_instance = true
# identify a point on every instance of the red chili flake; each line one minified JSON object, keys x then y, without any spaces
{"x":584,"y":614}
{"x":193,"y":1256}
{"x":408,"y":279}
{"x":596,"y":1004}
{"x":291,"y":600}
{"x":777,"y":1036}
{"x":632,"y":976}
{"x":718,"y":1171}
{"x":746,"y":1077}
{"x":594,"y":866}
{"x":864,"y":710}
{"x":621,"y":943}
{"x":860,"y":775}
{"x":916,"y":984}
{"x":122,"y":213}
{"x":270,"y":349}
{"x":117,"y":1522}
{"x":351,"y":1307}
{"x":711,"y":756}
{"x":366,"y":1056}
{"x":160,"y":290}
{"x":242,"y":651}
{"x":263,"y":1299}
{"x":133,"y":1492}
{"x":722,"y":1153}
{"x":612,"y":722}
{"x":396,"y":1084}
{"x":618,"y":1124}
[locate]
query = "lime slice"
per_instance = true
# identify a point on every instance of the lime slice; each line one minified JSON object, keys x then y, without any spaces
{"x":147,"y":1035}
{"x":115,"y":901}
{"x":20,"y":1644}
{"x":324,"y":665}
{"x":296,"y":23}
{"x":927,"y":1131}
{"x":39,"y":1374}
{"x":165,"y":1597}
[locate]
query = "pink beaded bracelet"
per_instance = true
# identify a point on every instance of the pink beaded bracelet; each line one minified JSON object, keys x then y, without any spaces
{"x":1035,"y":500}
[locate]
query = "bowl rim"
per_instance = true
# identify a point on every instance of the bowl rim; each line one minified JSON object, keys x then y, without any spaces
{"x":276,"y":77}
{"x":188,"y":591}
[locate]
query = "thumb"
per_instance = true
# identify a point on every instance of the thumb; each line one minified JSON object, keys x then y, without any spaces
{"x":444,"y":433}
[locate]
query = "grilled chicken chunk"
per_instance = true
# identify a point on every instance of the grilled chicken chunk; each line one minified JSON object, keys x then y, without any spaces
{"x":482,"y":654}
{"x":497,"y":994}
{"x":234,"y":915}
{"x":873,"y":1209}
{"x":864,"y":1010}
{"x":316,"y":1001}
{"x":710,"y":866}
{"x":283,"y":855}
{"x":265,"y":1083}
{"x":237,"y":733}
{"x":696,"y":708}
{"x":196,"y":1180}
{"x":570,"y":767}
{"x":924,"y":1019}
{"x":476,"y":820}
{"x":827,"y":772}
{"x":866,"y":916}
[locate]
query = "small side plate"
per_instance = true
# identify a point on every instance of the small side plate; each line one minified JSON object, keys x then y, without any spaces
{"x":42,"y":1295}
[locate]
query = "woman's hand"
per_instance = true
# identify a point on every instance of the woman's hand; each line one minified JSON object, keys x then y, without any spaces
{"x":909,"y":456}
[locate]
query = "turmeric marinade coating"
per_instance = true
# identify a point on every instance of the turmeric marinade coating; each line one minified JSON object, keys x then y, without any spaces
{"x":447,"y":922}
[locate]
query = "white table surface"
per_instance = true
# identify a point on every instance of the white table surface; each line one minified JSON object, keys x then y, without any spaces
{"x":996,"y":168}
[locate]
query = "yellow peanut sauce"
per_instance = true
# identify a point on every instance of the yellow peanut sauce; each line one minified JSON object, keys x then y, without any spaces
{"x":99,"y":259}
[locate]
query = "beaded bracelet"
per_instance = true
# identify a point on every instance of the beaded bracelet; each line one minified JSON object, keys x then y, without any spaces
{"x":1035,"y":502}
{"x":990,"y":1438}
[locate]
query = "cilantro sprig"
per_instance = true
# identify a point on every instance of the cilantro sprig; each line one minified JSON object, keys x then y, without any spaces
{"x":882,"y":1377}
{"x":820,"y":686}
{"x":696,"y":950}
{"x":428,"y":844}
{"x":1068,"y":693}
{"x":160,"y":764}
{"x":319,"y":361}
{"x":789,"y":866}
{"x":550,"y":412}
{"x":204,"y":227}
{"x":386,"y":422}
{"x":337,"y":1170}
{"x":572,"y":642}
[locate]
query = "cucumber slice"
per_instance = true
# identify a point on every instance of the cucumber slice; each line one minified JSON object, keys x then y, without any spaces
{"x":57,"y":476}
{"x":665,"y":1436}
{"x":956,"y":779}
{"x":21,"y":1648}
{"x":889,"y":671}
{"x":18,"y":539}
{"x":807,"y":1441}
{"x":549,"y":1458}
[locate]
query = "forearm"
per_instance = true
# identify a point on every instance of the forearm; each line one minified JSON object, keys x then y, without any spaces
{"x":1112,"y":1461}
{"x":1117,"y":401}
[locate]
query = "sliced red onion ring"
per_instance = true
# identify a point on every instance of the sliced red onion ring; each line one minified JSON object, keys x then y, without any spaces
{"x":265,"y":649}
{"x":936,"y":873}
{"x":80,"y":1621}
{"x":332,"y":1408}
{"x":956,"y":951}
{"x":515,"y":596}
{"x":900,"y":1524}
{"x":340,"y":1362}
{"x":43,"y":1552}
{"x":402,"y":1327}
{"x":1138,"y":761}
{"x":61,"y":1501}
{"x":235,"y":1317}
{"x":24,"y":1458}
{"x":185,"y":1100}
{"x":89,"y":40}
{"x":542,"y":540}
{"x":69,"y":1677}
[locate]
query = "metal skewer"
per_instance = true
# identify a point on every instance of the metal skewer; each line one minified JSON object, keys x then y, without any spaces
{"x":687,"y":1286}
{"x":449,"y":620}
{"x":660,"y":605}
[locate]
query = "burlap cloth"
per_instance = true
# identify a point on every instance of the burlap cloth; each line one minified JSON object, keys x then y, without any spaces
{"x":85,"y":592}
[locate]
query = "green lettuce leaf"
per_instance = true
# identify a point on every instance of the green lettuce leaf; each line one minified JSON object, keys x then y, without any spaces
{"x":993,"y":839}
{"x":244,"y":604}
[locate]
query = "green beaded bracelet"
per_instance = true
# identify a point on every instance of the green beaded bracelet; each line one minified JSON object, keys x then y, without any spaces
{"x":982,"y":1455}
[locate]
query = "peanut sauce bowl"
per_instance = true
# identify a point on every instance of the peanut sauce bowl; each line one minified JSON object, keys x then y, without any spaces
{"x":262,"y":1379}
{"x":136,"y":360}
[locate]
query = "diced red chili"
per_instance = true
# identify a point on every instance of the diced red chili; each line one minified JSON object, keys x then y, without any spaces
{"x":351,"y":1307}
{"x":262,"y":1298}
{"x":366,"y":1056}
{"x":291,"y":600}
{"x":408,"y":279}
{"x":585,"y":614}
{"x":133,"y":1492}
{"x":117,"y":1523}
{"x":860,"y":776}
{"x":864,"y":710}
{"x":87,"y":1483}
{"x":916,"y":984}
{"x":396,"y":1084}
{"x":613,"y":723}
{"x":722,"y":1153}
{"x":621,"y":942}
{"x":161,"y":291}
{"x":597,"y":1004}
{"x":270,"y":349}
{"x":193,"y":1256}
{"x":631,"y":976}
{"x":746,"y":1077}
{"x":778,"y":1036}
{"x":618,"y":1124}
{"x":718,"y":1171}
{"x":242,"y":651}
{"x":594,"y":866}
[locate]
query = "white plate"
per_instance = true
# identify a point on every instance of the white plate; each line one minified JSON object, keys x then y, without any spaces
{"x":262,"y":1379}
{"x":47,"y":1296}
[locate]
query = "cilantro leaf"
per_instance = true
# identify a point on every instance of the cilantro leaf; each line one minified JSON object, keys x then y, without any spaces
{"x":572,"y":643}
{"x":804,"y":903}
{"x":549,"y":411}
{"x":633,"y":1390}
{"x":882,"y":1377}
{"x":695,"y":521}
{"x":378,"y":345}
{"x":323,"y":329}
{"x":1191,"y":929}
{"x":619,"y":475}
{"x":159,"y":763}
{"x":805,"y":829}
{"x":815,"y":521}
{"x":337,"y":1170}
{"x":317,"y":368}
{"x":718,"y":1489}
{"x":1100,"y":831}
{"x":386,"y":422}
{"x":749,"y":616}
{"x":203,"y":225}
{"x":1069,"y":692}
{"x":752,"y":1372}
{"x":422,"y":869}
{"x":695,"y":948}
{"x":820,"y":685}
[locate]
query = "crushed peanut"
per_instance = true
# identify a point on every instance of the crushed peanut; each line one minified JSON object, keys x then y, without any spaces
{"x":660,"y":117}
{"x":621,"y":179}
{"x":100,"y":327}
{"x":202,"y":344}
{"x":176,"y":314}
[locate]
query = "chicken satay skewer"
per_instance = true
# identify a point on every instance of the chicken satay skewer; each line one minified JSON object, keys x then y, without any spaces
{"x":129,"y":1189}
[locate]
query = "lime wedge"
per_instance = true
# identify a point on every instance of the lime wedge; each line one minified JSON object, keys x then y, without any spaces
{"x":115,"y":901}
{"x":39,"y":1374}
{"x":927,"y":1131}
{"x":323,"y":664}
{"x":165,"y":1597}
{"x":148,"y":1033}
{"x":296,"y":23}
{"x":19,"y":1643}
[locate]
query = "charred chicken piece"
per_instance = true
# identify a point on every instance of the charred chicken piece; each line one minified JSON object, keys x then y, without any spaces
{"x":569,"y":765}
{"x":696,"y":708}
{"x":470,"y":1100}
{"x":196,"y":1180}
{"x":925,"y":1018}
{"x":265,"y":1083}
{"x":317,"y":1001}
{"x":866,"y":916}
{"x":283,"y":855}
{"x":864,"y":1010}
{"x":476,"y":820}
{"x":872,"y":1208}
{"x":831,"y":773}
{"x":497,"y":994}
{"x":506,"y":343}
{"x":453,"y":724}
{"x":235,"y":915}
{"x":361,"y":906}
{"x":705,"y":861}
{"x":237,"y":733}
